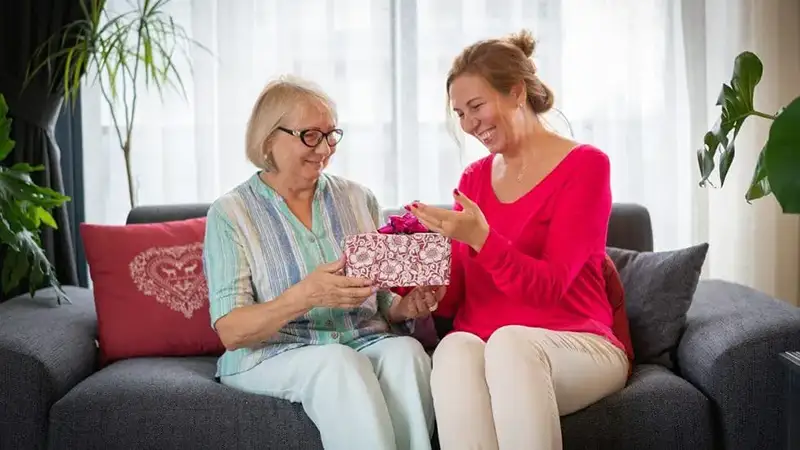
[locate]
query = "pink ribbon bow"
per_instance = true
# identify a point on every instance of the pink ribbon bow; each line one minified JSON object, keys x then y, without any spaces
{"x":405,"y":224}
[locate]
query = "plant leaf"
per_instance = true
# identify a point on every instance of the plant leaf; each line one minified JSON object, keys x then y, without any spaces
{"x":18,"y":185}
{"x":25,"y":258}
{"x":747,"y":72}
{"x":736,"y":102}
{"x":15,"y":267}
{"x":45,"y":217}
{"x":782,"y":157}
{"x":705,"y":157}
{"x":6,"y":144}
{"x":26,"y":168}
{"x":725,"y":162}
{"x":7,"y":234}
{"x":759,"y":185}
{"x":727,"y":155}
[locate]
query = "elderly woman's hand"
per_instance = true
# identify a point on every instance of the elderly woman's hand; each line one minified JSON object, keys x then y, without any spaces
{"x":327,"y":287}
{"x":418,"y":303}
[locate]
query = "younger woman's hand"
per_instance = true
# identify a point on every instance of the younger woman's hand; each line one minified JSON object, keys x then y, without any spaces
{"x":468,"y":225}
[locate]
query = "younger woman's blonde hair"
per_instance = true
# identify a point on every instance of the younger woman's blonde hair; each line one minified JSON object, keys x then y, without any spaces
{"x":279,"y":99}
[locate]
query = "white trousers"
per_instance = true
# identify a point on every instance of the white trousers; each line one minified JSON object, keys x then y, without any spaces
{"x":374,"y":399}
{"x":510,"y":392}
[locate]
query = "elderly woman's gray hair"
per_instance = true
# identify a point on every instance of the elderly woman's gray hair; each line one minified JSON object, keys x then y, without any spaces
{"x":278,"y":100}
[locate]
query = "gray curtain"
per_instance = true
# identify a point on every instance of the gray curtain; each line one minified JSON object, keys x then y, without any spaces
{"x":24,"y":25}
{"x":69,"y":137}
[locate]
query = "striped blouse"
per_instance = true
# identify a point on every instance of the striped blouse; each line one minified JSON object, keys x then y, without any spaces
{"x":255,"y":249}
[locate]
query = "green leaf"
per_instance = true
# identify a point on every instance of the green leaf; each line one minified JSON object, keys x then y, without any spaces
{"x":736,"y":102}
{"x":8,"y":235}
{"x":18,"y":185}
{"x":6,"y":144}
{"x":26,"y":168}
{"x":727,"y":155}
{"x":747,"y":72}
{"x":45,"y":217}
{"x":725,"y":161}
{"x":705,"y":157}
{"x":759,"y":185}
{"x":15,"y":267}
{"x":16,"y":218}
{"x":17,"y":263}
{"x":27,"y":259}
{"x":782,"y":157}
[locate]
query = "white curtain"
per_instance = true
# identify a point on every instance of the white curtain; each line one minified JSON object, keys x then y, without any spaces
{"x":635,"y":78}
{"x":754,"y":244}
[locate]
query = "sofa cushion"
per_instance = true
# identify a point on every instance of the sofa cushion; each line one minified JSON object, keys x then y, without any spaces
{"x":150,"y":290}
{"x":149,"y":403}
{"x":659,"y":287}
{"x":656,"y":410}
{"x":616,"y":296}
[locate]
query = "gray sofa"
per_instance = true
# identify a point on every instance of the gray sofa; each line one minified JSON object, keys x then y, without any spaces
{"x":728,"y":391}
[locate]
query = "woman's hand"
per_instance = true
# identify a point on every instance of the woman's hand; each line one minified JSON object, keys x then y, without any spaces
{"x":327,"y":286}
{"x":420,"y":302}
{"x":468,"y":226}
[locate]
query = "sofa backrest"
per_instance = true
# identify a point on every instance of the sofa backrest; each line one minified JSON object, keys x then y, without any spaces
{"x":166,"y":213}
{"x":629,"y":228}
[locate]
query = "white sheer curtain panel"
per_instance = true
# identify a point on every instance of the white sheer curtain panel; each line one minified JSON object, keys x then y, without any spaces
{"x":618,"y":75}
{"x":753,"y":244}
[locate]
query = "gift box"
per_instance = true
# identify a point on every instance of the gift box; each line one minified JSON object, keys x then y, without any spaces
{"x":402,"y":253}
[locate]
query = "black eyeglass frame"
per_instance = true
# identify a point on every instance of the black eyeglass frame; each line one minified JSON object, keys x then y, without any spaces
{"x":302,"y":134}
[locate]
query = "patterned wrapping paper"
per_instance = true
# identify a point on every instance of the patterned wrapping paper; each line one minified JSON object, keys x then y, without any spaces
{"x":411,"y":256}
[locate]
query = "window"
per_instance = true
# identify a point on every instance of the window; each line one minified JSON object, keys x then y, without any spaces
{"x":615,"y":72}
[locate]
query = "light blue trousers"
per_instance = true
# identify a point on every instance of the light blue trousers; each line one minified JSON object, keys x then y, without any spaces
{"x":378,"y":398}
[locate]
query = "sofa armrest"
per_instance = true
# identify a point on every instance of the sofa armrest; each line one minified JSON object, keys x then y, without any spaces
{"x":730,"y":351}
{"x":45,"y":350}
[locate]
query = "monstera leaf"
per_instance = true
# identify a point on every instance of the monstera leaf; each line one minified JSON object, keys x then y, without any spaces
{"x":777,"y":170}
{"x":24,"y":209}
{"x":781,"y":156}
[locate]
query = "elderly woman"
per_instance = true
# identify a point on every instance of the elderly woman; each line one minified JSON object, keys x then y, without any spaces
{"x":293,"y":325}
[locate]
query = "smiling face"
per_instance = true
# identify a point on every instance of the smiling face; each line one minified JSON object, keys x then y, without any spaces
{"x":494,"y":118}
{"x":294,"y":157}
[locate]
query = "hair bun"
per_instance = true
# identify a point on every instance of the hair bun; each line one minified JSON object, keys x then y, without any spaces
{"x":524,"y":41}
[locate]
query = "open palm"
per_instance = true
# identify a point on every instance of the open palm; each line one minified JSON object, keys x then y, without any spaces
{"x":468,"y":225}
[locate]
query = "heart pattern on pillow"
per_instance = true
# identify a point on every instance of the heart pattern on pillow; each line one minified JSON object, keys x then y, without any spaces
{"x":173,"y":275}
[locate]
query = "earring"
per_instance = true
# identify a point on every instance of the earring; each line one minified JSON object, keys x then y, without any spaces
{"x":268,"y":165}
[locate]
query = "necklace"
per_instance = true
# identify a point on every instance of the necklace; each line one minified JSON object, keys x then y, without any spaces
{"x":521,"y":172}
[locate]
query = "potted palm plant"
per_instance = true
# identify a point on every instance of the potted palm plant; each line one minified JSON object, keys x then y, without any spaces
{"x":24,"y":209}
{"x":777,"y":171}
{"x":122,"y":51}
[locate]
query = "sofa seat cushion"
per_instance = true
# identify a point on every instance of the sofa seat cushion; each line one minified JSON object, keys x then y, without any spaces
{"x":656,"y":410}
{"x":158,"y":403}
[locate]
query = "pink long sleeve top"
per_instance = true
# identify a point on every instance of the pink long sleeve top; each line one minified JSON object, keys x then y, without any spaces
{"x":541,"y":265}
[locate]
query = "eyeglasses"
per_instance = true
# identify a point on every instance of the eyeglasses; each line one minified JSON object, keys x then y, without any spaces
{"x":312,"y":137}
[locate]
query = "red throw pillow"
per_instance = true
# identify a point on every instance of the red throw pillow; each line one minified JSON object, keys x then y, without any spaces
{"x":150,"y":292}
{"x":616,"y":296}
